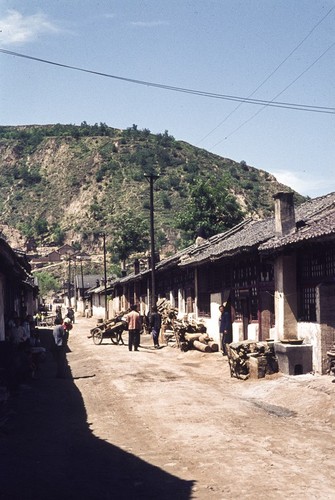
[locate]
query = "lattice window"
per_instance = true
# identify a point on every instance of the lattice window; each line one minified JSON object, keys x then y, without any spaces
{"x":266,"y":273}
{"x":237,"y":304}
{"x":317,"y":266}
{"x":254,"y":303}
{"x":330,"y":263}
{"x":190,"y":301}
{"x":203,"y":304}
{"x":203,"y":293}
{"x":308,"y":304}
{"x":305,"y":266}
{"x":245,"y":278}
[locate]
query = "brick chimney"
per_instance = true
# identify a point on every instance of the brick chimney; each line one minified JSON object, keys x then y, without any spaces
{"x":284,"y":214}
{"x":136,"y":266}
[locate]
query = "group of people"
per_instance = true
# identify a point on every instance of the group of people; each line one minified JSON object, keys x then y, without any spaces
{"x":22,"y":352}
{"x":134,"y":322}
{"x":154,"y":321}
{"x":19,"y":329}
{"x":24,"y":348}
{"x":59,"y":315}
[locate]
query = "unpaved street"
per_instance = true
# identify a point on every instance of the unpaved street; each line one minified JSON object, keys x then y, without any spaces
{"x":163,"y":424}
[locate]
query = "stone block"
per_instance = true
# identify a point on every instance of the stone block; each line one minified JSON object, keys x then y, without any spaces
{"x":294,"y":359}
{"x":257,"y":366}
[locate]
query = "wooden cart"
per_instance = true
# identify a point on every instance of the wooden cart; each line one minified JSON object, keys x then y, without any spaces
{"x":111,"y":329}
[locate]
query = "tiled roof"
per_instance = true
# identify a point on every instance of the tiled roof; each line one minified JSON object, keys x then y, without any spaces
{"x":89,"y":280}
{"x":163,"y":264}
{"x":312,"y":208}
{"x":244,"y":237}
{"x":315,"y":220}
{"x":170,"y":261}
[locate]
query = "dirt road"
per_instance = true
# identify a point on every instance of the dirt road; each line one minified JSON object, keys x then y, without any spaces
{"x":162,"y":424}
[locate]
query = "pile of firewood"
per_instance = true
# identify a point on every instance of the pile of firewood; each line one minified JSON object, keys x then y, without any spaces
{"x":251,"y":359}
{"x":168,"y":314}
{"x":183,"y":333}
{"x":200,"y":341}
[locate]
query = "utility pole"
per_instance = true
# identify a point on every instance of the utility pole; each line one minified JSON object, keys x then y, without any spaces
{"x":75,"y":282}
{"x":151,"y":178}
{"x":81,"y":258}
{"x":105,"y":274}
{"x":69,"y":283}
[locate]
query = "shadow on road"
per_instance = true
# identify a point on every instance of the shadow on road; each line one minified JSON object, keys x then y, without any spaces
{"x":49,"y":451}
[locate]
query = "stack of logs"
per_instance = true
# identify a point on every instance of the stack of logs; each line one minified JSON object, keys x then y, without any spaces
{"x":184,"y":333}
{"x":251,"y":359}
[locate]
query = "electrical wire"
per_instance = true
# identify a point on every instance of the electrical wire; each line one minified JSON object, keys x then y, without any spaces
{"x":262,"y":102}
{"x":270,"y":75}
{"x":280,"y":93}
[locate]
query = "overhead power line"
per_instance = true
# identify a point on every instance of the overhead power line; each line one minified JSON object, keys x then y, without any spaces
{"x":262,"y":102}
{"x":269,"y":76}
{"x":275,"y":97}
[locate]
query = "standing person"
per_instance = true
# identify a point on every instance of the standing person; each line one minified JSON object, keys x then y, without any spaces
{"x":224,"y":327}
{"x":155,"y":323}
{"x":134,"y":328}
{"x":70,"y":314}
{"x":22,"y":334}
{"x":59,"y":317}
{"x":11,"y":329}
{"x":61,"y":336}
{"x":67,"y":324}
{"x":26,"y":322}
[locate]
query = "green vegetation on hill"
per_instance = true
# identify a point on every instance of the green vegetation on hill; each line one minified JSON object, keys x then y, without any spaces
{"x":67,"y":183}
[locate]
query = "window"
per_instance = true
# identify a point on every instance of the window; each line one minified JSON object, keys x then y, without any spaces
{"x":245,"y":288}
{"x":203,"y":293}
{"x":314,"y":266}
{"x":330,"y":263}
{"x":308,"y":308}
{"x":204,"y":303}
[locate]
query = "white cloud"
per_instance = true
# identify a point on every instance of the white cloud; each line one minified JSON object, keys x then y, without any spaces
{"x":18,"y":29}
{"x":149,"y":24}
{"x":306,"y":184}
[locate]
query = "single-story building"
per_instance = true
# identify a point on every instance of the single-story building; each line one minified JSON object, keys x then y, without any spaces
{"x":276,"y":277}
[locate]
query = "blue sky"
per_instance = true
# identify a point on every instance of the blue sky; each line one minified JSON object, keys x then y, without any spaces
{"x":285,"y":48}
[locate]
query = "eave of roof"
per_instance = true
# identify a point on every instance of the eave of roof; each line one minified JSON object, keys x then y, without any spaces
{"x":315,"y":221}
{"x":322,"y":229}
{"x":243,"y":237}
{"x":16,"y":260}
{"x":317,"y":214}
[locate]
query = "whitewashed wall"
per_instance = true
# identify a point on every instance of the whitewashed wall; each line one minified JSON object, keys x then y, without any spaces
{"x":311,"y":334}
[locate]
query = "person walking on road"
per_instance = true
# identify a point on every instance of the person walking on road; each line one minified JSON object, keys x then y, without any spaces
{"x":134,"y":328}
{"x":61,"y":336}
{"x":155,"y":324}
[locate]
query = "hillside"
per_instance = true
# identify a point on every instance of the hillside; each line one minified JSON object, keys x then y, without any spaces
{"x":66,"y":183}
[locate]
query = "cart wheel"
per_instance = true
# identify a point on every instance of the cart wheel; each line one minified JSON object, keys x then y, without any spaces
{"x":97,"y":336}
